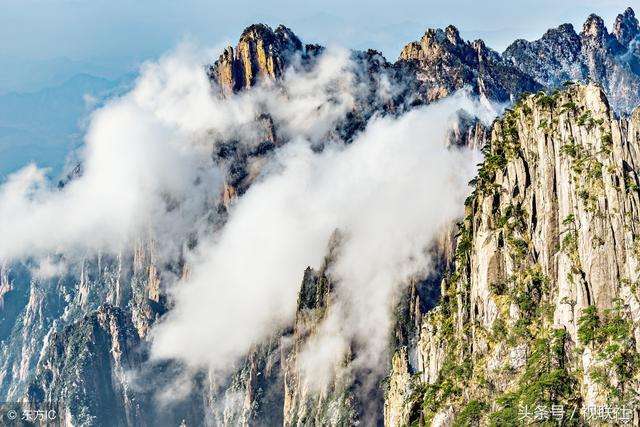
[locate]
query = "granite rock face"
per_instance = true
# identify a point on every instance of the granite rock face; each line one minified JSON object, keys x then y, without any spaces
{"x":625,"y":28}
{"x":261,"y":54}
{"x":77,"y":372}
{"x":542,"y":305}
{"x":35,"y":308}
{"x":442,"y":63}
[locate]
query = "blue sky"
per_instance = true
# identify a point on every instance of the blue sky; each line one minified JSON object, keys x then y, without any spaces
{"x":107,"y":36}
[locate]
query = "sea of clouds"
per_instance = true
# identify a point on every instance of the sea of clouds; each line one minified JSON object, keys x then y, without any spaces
{"x":147,"y":170}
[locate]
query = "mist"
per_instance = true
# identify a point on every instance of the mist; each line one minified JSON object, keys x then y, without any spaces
{"x":147,"y":174}
{"x":389,"y":194}
{"x":146,"y":162}
{"x":137,"y":159}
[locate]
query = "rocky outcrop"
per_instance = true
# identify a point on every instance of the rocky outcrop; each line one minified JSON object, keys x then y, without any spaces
{"x":542,"y":307}
{"x":443,"y":63}
{"x":609,"y":59}
{"x":28,"y":310}
{"x":372,"y":89}
{"x":261,"y":53}
{"x":336,"y":402}
{"x":626,"y":28}
{"x":84,"y":367}
{"x":41,"y":316}
{"x":553,"y":59}
{"x":271,"y":387}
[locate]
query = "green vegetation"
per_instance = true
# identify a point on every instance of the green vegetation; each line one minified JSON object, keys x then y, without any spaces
{"x":450,"y":383}
{"x":470,"y":414}
{"x":500,"y":330}
{"x":545,"y":101}
{"x":513,"y":223}
{"x":588,"y":121}
{"x":614,"y":325}
{"x":570,"y":149}
{"x":569,"y":220}
{"x":522,"y":352}
{"x":631,"y":183}
{"x":545,"y":380}
{"x":498,"y":152}
{"x":587,"y":170}
{"x":463,"y":246}
{"x":611,"y":332}
{"x":588,"y":325}
{"x":569,"y":106}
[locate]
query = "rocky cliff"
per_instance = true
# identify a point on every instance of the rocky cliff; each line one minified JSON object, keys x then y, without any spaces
{"x":261,"y":53}
{"x":538,"y":304}
{"x":541,"y":307}
{"x":442,"y":63}
{"x":92,"y":319}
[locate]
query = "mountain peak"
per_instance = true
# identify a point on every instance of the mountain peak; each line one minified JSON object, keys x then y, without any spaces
{"x":594,"y":27}
{"x":453,"y":35}
{"x":626,"y":27}
{"x":433,"y":35}
{"x":563,"y":29}
{"x":261,"y":53}
{"x":282,"y":36}
{"x":479,"y":45}
{"x":288,"y":37}
{"x":258,"y":30}
{"x":444,"y":63}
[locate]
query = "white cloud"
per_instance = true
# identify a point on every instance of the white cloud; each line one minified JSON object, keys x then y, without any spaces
{"x":389,"y":192}
{"x":150,"y":151}
{"x":147,"y":173}
{"x":137,"y":156}
{"x":48,"y":267}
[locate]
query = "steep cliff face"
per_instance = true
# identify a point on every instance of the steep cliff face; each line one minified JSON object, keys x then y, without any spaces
{"x":67,"y":336}
{"x":542,"y":307}
{"x":336,"y":402}
{"x":551,"y":60}
{"x":625,"y":28}
{"x":273,"y":386}
{"x":261,"y":53}
{"x":254,"y":393}
{"x":83,"y":370}
{"x":270,"y":387}
{"x":15,"y":294}
{"x":607,"y":58}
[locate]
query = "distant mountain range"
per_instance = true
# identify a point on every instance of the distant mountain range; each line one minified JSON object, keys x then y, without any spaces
{"x":442,"y":62}
{"x":46,"y":125}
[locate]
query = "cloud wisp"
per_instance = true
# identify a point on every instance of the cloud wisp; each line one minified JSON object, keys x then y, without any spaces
{"x":148,"y":174}
{"x":138,"y":160}
{"x":147,"y":169}
{"x":389,"y":193}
